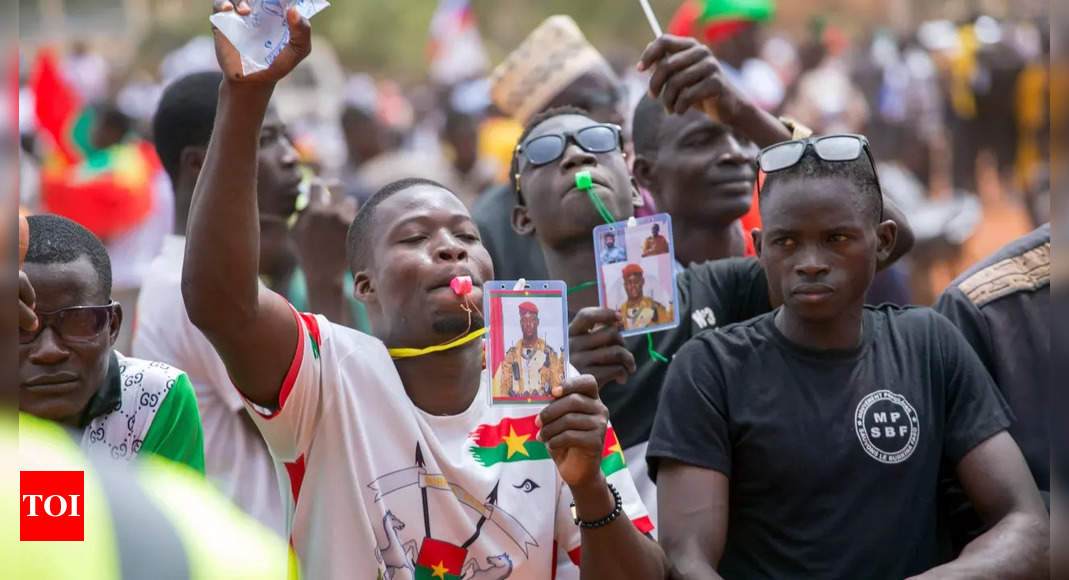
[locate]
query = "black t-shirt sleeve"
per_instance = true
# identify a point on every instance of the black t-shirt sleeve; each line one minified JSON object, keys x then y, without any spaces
{"x":691,"y":425}
{"x":969,"y":320}
{"x":975,"y":410}
{"x":736,"y":287}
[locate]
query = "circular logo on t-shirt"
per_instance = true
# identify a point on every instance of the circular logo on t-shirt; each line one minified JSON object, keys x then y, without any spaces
{"x":887,"y":426}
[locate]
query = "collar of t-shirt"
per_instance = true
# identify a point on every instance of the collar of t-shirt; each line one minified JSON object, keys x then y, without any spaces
{"x":847,"y":354}
{"x":107,"y":397}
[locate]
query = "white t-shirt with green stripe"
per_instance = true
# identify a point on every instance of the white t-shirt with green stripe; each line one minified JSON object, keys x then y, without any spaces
{"x":382,"y":489}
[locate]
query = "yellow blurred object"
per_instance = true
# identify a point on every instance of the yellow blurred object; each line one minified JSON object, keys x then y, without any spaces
{"x":498,"y":137}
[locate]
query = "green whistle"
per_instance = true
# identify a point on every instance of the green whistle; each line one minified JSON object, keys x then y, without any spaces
{"x":583,"y":181}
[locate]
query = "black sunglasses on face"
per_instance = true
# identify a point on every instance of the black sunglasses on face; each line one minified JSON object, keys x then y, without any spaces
{"x":74,"y":324}
{"x":601,"y":138}
{"x":843,"y":147}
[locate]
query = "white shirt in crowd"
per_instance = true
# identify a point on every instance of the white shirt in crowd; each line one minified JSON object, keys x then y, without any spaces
{"x":236,"y":458}
{"x":383,"y":489}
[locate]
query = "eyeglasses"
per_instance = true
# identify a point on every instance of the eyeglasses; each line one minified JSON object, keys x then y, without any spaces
{"x":843,"y":147}
{"x":74,"y":324}
{"x":544,"y":149}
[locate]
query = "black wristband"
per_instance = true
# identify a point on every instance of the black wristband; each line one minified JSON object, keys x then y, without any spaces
{"x":616,"y":511}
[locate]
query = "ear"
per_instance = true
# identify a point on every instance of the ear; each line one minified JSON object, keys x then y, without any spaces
{"x":192,"y":157}
{"x":363,"y":290}
{"x":886,"y":233}
{"x":636,"y":195}
{"x":755,"y":235}
{"x":116,"y":324}
{"x":521,"y":221}
{"x":644,"y":172}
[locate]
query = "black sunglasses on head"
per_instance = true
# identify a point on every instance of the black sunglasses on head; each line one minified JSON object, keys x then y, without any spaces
{"x":600,"y":138}
{"x":842,"y":147}
{"x":74,"y":324}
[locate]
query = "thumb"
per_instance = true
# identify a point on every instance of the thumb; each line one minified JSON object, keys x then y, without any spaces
{"x":300,"y":33}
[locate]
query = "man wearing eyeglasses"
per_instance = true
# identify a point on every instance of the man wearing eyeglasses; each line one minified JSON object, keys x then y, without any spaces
{"x":809,"y":442}
{"x":69,"y":371}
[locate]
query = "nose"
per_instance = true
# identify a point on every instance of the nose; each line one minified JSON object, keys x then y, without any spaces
{"x":575,"y":156}
{"x":47,"y":350}
{"x":289,"y":156}
{"x":736,"y":152}
{"x":811,"y":263}
{"x":450,"y":249}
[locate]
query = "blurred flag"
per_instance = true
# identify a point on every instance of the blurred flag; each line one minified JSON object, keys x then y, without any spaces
{"x":713,"y":21}
{"x":456,"y":50}
{"x":109,"y":191}
{"x":57,"y":104}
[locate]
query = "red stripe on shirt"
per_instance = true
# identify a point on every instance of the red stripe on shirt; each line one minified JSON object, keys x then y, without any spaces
{"x":574,"y":555}
{"x":553,"y":574}
{"x":295,"y":366}
{"x":296,"y":473}
{"x":644,"y":524}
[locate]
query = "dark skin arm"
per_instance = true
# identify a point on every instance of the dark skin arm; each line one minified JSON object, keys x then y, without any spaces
{"x":252,"y":328}
{"x":686,"y":75}
{"x":1017,"y":545}
{"x":573,"y":429}
{"x":692,"y":505}
{"x":597,"y":348}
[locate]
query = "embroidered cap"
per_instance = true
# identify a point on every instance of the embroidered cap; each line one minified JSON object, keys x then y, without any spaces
{"x":544,"y":64}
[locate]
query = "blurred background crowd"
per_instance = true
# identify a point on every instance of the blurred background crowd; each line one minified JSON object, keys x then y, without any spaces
{"x":953,"y":97}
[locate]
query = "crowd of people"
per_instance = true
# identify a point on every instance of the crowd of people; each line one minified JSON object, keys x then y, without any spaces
{"x":224,"y":283}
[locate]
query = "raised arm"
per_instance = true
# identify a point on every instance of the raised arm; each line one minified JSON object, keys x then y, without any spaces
{"x":686,"y":74}
{"x":573,"y":428}
{"x":692,"y":504}
{"x":252,"y":328}
{"x":1017,"y":545}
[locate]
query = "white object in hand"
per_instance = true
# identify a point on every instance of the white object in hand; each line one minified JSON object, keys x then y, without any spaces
{"x":261,"y":36}
{"x":651,"y":17}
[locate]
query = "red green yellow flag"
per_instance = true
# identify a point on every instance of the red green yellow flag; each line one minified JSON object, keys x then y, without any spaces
{"x":439,"y":560}
{"x":612,"y":456}
{"x":513,"y":439}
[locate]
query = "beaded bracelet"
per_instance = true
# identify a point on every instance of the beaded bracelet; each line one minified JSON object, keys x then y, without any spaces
{"x":616,"y":511}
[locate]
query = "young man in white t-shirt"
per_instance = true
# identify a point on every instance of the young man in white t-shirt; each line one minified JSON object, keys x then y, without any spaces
{"x":400,"y":468}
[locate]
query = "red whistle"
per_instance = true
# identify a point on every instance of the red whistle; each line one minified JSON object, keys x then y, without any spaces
{"x":461,"y":285}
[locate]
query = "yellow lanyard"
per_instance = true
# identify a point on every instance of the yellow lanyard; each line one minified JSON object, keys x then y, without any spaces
{"x":412,"y":352}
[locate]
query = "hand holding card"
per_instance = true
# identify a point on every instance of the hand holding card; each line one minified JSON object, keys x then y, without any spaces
{"x":527,"y":347}
{"x":636,"y":273}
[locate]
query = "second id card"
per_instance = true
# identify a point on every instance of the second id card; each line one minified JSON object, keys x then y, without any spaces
{"x":636,"y":264}
{"x":527,"y":340}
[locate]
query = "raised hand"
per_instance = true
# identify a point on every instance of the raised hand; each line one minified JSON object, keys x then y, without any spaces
{"x":299,"y":46}
{"x":597,"y":348}
{"x":686,"y":74}
{"x":321,"y":231}
{"x":573,"y":429}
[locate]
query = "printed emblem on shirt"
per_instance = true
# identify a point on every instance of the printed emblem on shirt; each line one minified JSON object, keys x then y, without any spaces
{"x":704,"y":317}
{"x":887,"y":426}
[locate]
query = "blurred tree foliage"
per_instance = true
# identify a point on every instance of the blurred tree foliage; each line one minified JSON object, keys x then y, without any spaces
{"x":391,"y":37}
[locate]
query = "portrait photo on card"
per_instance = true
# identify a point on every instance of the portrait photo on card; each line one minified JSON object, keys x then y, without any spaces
{"x":640,"y":287}
{"x":527,"y":340}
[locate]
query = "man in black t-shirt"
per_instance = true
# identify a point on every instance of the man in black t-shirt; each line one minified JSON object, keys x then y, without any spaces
{"x":561,"y":217}
{"x":807,"y":442}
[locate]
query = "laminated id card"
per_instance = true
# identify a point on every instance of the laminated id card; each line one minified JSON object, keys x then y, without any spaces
{"x":636,"y":263}
{"x":527,"y":339}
